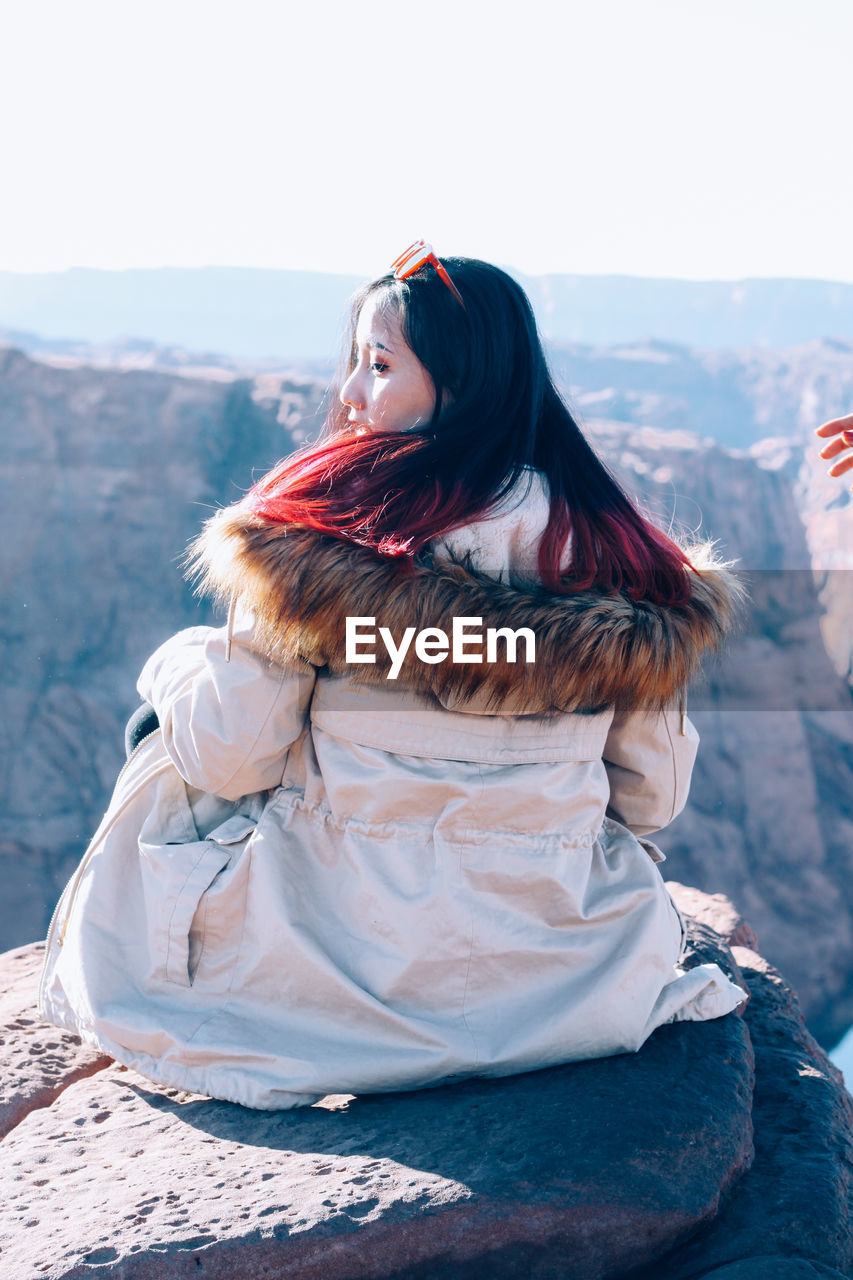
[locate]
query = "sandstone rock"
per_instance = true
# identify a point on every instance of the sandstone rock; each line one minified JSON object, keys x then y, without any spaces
{"x":572,"y":1173}
{"x":716,"y":911}
{"x":793,"y":1208}
{"x":37,"y":1061}
{"x":635,"y":1166}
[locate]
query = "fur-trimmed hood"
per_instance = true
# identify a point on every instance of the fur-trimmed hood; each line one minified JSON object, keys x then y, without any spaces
{"x":592,"y":650}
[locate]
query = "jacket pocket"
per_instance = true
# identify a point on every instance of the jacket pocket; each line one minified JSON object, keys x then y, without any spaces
{"x":177,"y":878}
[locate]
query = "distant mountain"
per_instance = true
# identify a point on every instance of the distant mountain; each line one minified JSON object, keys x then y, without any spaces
{"x":252,"y":312}
{"x":143,"y":353}
{"x":734,"y":397}
{"x":235,"y":311}
{"x":701,"y":313}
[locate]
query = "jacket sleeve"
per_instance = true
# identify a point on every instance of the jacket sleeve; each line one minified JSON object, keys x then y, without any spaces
{"x":228,"y":718}
{"x":649,"y":763}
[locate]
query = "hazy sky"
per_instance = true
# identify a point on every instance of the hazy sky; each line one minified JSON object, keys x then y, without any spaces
{"x":650,"y":137}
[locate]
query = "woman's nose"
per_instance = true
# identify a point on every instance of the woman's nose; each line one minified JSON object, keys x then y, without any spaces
{"x":350,"y":392}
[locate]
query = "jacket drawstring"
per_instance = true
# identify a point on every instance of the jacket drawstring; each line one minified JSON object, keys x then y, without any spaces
{"x":682,"y":706}
{"x":232,"y":609}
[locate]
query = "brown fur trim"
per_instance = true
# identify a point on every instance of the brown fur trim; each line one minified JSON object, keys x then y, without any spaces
{"x":592,"y":650}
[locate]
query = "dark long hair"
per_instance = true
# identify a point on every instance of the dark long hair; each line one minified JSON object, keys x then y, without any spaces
{"x":497,"y":410}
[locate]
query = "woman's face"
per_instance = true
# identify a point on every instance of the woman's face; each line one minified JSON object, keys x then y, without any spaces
{"x":389,"y":389}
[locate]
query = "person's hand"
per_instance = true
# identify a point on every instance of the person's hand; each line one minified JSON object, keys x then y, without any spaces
{"x":842,"y":428}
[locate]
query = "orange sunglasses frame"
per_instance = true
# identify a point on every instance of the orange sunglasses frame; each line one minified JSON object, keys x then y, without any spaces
{"x":419,"y":255}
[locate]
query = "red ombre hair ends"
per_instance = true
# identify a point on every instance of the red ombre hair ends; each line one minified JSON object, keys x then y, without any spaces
{"x":497,"y":411}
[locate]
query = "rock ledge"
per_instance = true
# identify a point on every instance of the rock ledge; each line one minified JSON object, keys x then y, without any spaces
{"x":641,"y":1165}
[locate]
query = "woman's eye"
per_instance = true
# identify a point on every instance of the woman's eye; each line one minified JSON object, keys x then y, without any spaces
{"x":378,"y":367}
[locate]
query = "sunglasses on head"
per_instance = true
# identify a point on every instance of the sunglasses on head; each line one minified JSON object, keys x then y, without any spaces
{"x":419,"y":255}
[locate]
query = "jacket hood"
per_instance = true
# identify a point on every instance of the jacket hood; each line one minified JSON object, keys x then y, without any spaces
{"x":593,"y":650}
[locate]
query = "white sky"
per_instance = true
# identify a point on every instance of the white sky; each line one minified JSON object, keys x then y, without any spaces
{"x":695,"y":138}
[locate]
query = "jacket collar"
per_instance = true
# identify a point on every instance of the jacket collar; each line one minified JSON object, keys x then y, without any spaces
{"x":592,"y":650}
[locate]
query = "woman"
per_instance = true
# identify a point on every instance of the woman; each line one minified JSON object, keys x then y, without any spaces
{"x":389,"y":832}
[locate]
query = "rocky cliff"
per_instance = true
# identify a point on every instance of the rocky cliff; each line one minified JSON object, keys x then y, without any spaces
{"x":722,"y":1149}
{"x":106,"y":475}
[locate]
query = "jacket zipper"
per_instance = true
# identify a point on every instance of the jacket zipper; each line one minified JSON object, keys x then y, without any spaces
{"x":78,"y":872}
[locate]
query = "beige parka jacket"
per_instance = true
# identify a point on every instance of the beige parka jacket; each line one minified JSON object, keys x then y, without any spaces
{"x":315,"y":879}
